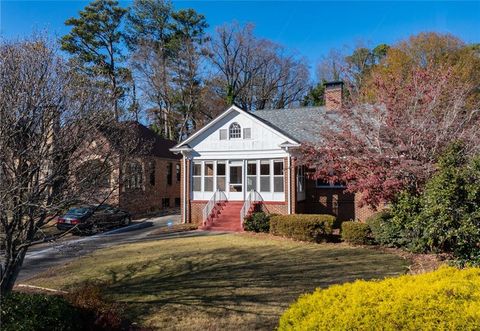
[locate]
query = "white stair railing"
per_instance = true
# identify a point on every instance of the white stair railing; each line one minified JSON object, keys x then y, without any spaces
{"x":217,"y":197}
{"x":252,"y":198}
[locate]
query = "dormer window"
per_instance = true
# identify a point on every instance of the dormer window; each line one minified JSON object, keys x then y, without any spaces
{"x":235,"y":131}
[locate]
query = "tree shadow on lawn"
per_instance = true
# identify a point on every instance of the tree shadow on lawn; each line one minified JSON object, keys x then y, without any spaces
{"x":262,"y":280}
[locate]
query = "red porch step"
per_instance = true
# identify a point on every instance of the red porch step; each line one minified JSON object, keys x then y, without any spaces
{"x":227,"y":219}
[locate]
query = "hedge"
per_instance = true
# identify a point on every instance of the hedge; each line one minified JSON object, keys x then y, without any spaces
{"x":356,"y":233}
{"x":446,"y":299}
{"x":314,"y":227}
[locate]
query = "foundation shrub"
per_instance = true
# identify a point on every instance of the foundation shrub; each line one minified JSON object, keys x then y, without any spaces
{"x":257,"y":222}
{"x":303,"y":227}
{"x":356,"y":233}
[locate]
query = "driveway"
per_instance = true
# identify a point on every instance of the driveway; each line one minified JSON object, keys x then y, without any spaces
{"x":42,"y":257}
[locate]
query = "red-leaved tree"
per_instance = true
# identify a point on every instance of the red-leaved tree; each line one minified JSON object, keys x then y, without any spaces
{"x":379,"y":149}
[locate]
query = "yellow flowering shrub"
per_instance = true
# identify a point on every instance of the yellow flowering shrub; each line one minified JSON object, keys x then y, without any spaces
{"x":446,"y":299}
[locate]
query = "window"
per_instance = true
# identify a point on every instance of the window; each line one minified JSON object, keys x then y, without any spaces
{"x":152,"y":172}
{"x":221,"y":176}
{"x":197,"y":177}
{"x":247,"y":133}
{"x":177,"y":169}
{"x":169,"y":173}
{"x":208,"y":177}
{"x":278,"y":176}
{"x":133,"y":175}
{"x":165,"y":202}
{"x":265,"y":176}
{"x":177,"y":202}
{"x":320,"y":183}
{"x":223,"y":134}
{"x":300,"y":179}
{"x":251,"y":175}
{"x":235,"y":131}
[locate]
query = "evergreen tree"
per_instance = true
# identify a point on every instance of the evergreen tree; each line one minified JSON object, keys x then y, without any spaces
{"x":95,"y":42}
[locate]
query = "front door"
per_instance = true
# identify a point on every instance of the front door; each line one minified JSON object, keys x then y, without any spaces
{"x":235,"y":180}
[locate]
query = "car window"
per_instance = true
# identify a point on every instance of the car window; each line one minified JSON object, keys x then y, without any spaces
{"x":78,"y":211}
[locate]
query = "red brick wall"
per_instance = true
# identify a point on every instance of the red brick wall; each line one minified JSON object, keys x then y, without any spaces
{"x":149,"y":198}
{"x":334,"y":201}
{"x":333,"y":97}
{"x":364,"y":212}
{"x":196,"y":214}
{"x":274,"y":207}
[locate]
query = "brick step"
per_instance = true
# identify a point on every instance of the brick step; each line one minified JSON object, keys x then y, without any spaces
{"x":226,"y":217}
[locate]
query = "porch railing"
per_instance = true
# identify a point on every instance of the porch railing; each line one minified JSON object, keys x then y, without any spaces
{"x":217,"y":197}
{"x":252,"y":198}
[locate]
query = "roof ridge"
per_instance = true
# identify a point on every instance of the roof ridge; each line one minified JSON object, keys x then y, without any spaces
{"x":294,"y":108}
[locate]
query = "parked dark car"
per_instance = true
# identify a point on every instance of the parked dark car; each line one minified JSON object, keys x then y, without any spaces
{"x":91,"y":219}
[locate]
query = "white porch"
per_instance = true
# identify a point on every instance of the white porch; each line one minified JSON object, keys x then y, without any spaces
{"x":238,"y":177}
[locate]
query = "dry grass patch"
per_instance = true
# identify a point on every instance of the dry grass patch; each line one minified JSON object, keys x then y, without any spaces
{"x":204,"y":281}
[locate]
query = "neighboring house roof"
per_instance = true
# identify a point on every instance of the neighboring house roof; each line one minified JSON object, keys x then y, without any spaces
{"x":302,"y":124}
{"x":148,"y":142}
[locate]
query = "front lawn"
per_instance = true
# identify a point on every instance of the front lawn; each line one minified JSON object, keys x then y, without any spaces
{"x":218,"y":281}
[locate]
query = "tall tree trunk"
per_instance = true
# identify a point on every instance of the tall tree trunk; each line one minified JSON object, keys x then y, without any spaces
{"x":11,"y":271}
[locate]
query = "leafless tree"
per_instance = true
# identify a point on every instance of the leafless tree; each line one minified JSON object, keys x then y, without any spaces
{"x":48,"y":120}
{"x":257,"y":73}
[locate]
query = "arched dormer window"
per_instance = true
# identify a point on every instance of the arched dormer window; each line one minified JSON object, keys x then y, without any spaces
{"x":235,"y":131}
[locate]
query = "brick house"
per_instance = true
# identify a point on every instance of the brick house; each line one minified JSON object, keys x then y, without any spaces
{"x":146,"y":181}
{"x":245,"y":158}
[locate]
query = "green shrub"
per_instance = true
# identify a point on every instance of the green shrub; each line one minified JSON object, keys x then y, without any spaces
{"x":257,"y":222}
{"x":447,"y":299}
{"x":37,"y":312}
{"x":356,"y":233}
{"x":314,"y":228}
{"x":445,"y":217}
{"x":382,"y":229}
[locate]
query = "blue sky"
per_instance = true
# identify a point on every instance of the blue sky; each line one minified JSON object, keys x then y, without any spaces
{"x":311,"y":28}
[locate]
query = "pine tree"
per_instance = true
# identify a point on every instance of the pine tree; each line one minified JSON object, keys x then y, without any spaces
{"x":95,"y":42}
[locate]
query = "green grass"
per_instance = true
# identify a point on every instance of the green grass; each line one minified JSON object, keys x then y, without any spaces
{"x":217,"y":282}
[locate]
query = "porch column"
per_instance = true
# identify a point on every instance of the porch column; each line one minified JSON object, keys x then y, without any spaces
{"x":185,"y":189}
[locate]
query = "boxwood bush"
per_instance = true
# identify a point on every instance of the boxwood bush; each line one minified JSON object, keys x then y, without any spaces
{"x":356,"y":233}
{"x":446,"y":299}
{"x":314,"y":227}
{"x":257,"y":222}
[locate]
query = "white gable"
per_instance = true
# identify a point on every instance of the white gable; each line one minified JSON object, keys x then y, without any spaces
{"x":264,"y":139}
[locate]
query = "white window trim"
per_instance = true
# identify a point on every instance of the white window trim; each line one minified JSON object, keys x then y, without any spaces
{"x":204,"y":175}
{"x":197,"y":176}
{"x":229,"y":134}
{"x":278,"y":176}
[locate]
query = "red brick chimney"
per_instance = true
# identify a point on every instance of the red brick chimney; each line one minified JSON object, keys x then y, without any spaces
{"x":333,"y":95}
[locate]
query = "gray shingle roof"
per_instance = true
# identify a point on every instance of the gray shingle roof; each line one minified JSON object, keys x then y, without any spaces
{"x":302,"y":124}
